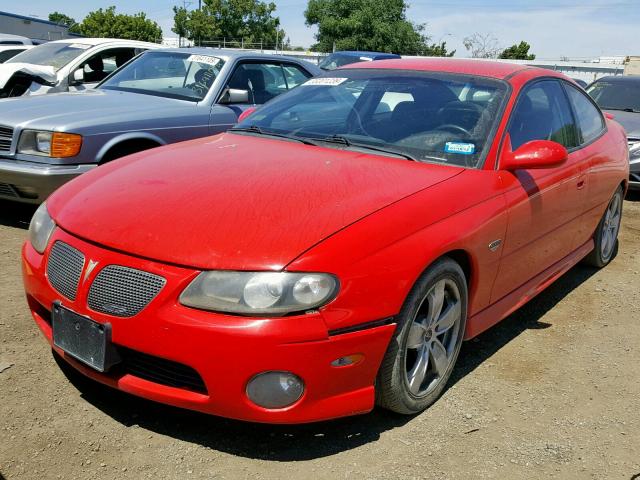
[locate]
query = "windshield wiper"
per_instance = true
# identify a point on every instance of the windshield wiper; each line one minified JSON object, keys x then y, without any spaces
{"x":258,"y":131}
{"x":630,"y":110}
{"x":348,"y":143}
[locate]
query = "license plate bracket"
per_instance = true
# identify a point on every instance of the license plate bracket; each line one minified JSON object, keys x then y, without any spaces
{"x":83,"y":338}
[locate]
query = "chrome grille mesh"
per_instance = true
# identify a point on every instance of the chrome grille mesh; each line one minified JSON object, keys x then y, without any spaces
{"x":6,"y":136}
{"x":64,"y":268}
{"x":123,"y":291}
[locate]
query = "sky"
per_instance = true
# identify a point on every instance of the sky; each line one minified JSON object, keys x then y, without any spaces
{"x":555,"y":29}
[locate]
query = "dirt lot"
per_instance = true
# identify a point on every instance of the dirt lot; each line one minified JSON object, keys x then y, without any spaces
{"x":553,"y":391}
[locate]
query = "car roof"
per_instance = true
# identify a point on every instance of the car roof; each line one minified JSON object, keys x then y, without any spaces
{"x":620,"y":79}
{"x":357,"y":53}
{"x":229,"y":54}
{"x":470,"y":66}
{"x":100,"y":41}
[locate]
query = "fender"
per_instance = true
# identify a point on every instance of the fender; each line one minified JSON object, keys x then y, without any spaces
{"x":124,"y":137}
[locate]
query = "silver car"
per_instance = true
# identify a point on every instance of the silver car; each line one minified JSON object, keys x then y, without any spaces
{"x":66,"y":65}
{"x":161,"y":97}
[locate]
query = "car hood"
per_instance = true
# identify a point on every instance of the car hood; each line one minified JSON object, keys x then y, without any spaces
{"x":8,"y":70}
{"x":630,"y":121}
{"x":232,"y":201}
{"x":64,"y":111}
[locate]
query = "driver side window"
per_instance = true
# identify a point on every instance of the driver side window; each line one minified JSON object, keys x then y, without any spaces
{"x":102,"y":64}
{"x":543,"y":113}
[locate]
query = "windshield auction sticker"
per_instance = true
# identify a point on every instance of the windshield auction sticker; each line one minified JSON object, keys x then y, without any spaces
{"x":206,"y":59}
{"x":81,"y":46}
{"x":459,"y":147}
{"x":327,"y":81}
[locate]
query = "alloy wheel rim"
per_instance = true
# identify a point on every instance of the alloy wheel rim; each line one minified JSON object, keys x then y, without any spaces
{"x":433,"y":338}
{"x":610,"y":227}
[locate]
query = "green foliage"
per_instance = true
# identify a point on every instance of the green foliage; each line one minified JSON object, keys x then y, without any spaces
{"x":109,"y":24}
{"x":234,"y":20}
{"x":518,"y":52}
{"x":379,"y":25}
{"x":180,"y":21}
{"x":438,"y":50}
{"x":66,"y":20}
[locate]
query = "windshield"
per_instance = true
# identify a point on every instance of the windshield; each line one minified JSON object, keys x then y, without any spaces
{"x":616,"y":96}
{"x":167,"y":74}
{"x":425,"y":116}
{"x":55,"y":55}
{"x":336,"y":60}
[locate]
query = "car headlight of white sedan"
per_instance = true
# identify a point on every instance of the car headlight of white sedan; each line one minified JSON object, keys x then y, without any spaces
{"x":258,"y":293}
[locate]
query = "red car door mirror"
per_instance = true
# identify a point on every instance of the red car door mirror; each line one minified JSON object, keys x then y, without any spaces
{"x":246,"y":113}
{"x":533,"y":154}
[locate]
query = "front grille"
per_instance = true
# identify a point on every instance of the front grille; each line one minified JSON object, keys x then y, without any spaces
{"x":123,"y":291}
{"x":160,"y":370}
{"x":8,"y":191}
{"x":6,"y":137}
{"x":64,"y":268}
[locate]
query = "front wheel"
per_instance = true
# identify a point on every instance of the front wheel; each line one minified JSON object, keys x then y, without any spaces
{"x":606,"y":235}
{"x":421,"y":356}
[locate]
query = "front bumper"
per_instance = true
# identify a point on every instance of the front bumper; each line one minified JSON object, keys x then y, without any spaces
{"x":32,"y":182}
{"x":226,"y":351}
{"x":634,"y":174}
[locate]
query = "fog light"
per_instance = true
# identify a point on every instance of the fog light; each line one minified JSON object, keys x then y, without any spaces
{"x":275,"y":389}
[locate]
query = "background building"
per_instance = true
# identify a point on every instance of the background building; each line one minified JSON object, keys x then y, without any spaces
{"x":36,"y":29}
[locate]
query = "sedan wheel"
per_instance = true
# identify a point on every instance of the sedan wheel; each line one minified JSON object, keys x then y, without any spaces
{"x":421,"y":356}
{"x":606,"y":236}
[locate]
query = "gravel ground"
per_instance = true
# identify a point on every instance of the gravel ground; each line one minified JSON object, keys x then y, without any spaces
{"x":551,"y":392}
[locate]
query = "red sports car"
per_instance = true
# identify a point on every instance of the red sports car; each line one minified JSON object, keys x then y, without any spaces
{"x":334,"y":249}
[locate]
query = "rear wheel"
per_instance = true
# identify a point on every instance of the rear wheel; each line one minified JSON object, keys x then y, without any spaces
{"x":606,"y":235}
{"x":421,"y":356}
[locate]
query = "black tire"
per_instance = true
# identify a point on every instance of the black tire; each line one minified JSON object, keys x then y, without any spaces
{"x":603,"y":253}
{"x":127,"y":148}
{"x":394,"y":389}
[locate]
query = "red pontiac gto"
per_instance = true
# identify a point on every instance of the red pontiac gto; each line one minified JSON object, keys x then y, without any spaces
{"x":333,"y":250}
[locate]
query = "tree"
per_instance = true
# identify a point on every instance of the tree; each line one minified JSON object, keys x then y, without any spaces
{"x":438,"y":50}
{"x":482,"y":45}
{"x":180,"y":23}
{"x":107,"y":23}
{"x":518,"y":52}
{"x":66,"y":20}
{"x":248,"y":21}
{"x":366,"y":25}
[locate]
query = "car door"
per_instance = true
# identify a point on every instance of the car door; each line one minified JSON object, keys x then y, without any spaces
{"x":544,"y":205}
{"x":595,"y":150}
{"x":98,"y":66}
{"x":262,"y":80}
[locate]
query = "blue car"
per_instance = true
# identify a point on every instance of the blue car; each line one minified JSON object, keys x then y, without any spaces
{"x":339,"y":59}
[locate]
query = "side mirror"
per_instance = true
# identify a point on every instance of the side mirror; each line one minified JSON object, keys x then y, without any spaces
{"x":246,"y":113}
{"x":78,"y":76}
{"x":533,"y":154}
{"x":232,"y":95}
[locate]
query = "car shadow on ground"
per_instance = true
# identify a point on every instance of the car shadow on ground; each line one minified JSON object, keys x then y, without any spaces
{"x":303,"y":442}
{"x":633,"y":196}
{"x":14,"y":214}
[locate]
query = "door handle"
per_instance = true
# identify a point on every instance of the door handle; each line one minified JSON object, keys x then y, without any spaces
{"x":581,"y":184}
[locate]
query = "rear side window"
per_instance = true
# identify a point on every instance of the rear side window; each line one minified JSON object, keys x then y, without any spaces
{"x":588,"y":116}
{"x":543,"y":113}
{"x":294,"y":75}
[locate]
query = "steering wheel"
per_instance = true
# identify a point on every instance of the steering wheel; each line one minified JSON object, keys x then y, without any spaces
{"x":450,"y":127}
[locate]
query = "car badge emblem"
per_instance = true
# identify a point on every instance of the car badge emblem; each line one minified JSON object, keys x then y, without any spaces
{"x":90,"y":266}
{"x":493,"y":246}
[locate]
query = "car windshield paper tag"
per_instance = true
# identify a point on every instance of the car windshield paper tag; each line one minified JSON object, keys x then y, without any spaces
{"x":203,"y":59}
{"x":328,"y":81}
{"x":81,"y":46}
{"x":459,"y":147}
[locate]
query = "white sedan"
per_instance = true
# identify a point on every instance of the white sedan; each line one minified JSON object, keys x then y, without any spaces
{"x":66,"y":65}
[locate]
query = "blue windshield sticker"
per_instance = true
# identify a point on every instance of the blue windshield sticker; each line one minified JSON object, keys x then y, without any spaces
{"x":459,"y":147}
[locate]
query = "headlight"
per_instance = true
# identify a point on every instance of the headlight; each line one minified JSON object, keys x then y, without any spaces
{"x":257,"y":293}
{"x":634,"y":151}
{"x":40,"y":228}
{"x":50,"y":144}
